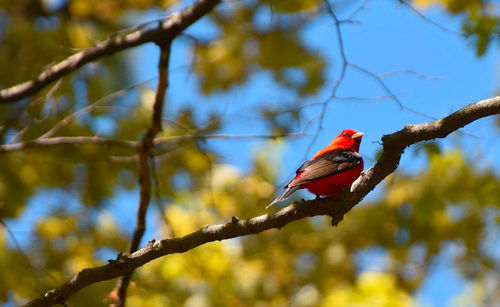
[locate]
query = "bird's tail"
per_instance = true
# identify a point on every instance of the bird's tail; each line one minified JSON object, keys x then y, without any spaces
{"x":284,"y":195}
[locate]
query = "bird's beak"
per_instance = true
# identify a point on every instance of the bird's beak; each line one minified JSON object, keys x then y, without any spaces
{"x":357,"y":135}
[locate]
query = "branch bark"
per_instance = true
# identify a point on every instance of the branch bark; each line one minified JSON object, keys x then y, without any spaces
{"x":174,"y":26}
{"x":393,"y":147}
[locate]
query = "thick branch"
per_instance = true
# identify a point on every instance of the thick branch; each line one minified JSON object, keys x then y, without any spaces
{"x":174,"y":26}
{"x":393,"y":147}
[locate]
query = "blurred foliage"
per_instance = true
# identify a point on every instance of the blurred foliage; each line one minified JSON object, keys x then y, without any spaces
{"x":303,"y":264}
{"x":243,"y":44}
{"x":480,"y":23}
{"x":449,"y":203}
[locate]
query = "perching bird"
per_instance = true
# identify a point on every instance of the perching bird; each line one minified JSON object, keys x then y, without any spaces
{"x":332,"y":169}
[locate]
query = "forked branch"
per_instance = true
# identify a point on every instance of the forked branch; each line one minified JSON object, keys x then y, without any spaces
{"x":147,"y":144}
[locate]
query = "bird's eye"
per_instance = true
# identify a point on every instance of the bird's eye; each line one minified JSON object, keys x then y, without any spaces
{"x":344,"y":135}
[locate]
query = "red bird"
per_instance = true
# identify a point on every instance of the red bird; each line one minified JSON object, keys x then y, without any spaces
{"x":330,"y":170}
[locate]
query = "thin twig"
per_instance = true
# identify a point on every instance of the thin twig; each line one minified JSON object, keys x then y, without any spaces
{"x":65,"y":140}
{"x":20,"y":134}
{"x":158,"y":202}
{"x":388,"y":91}
{"x":360,"y":8}
{"x":21,"y":251}
{"x":158,"y":156}
{"x":411,"y":72}
{"x":177,"y":124}
{"x":209,"y":173}
{"x":147,"y":144}
{"x":376,"y":98}
{"x":432,"y":22}
{"x":91,"y":107}
{"x":197,"y":42}
{"x":50,"y":95}
{"x":124,"y":159}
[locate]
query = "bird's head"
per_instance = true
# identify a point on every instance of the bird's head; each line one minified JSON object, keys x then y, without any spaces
{"x":348,"y":138}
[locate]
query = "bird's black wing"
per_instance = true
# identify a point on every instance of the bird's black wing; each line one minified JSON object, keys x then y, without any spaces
{"x":327,"y":164}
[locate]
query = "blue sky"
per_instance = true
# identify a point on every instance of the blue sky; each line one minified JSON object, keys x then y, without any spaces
{"x":388,"y":38}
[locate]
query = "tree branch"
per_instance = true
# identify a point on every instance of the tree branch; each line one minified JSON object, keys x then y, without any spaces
{"x":430,"y":21}
{"x":174,"y":25}
{"x":147,"y":144}
{"x":65,"y":140}
{"x":157,"y":142}
{"x":393,"y":147}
